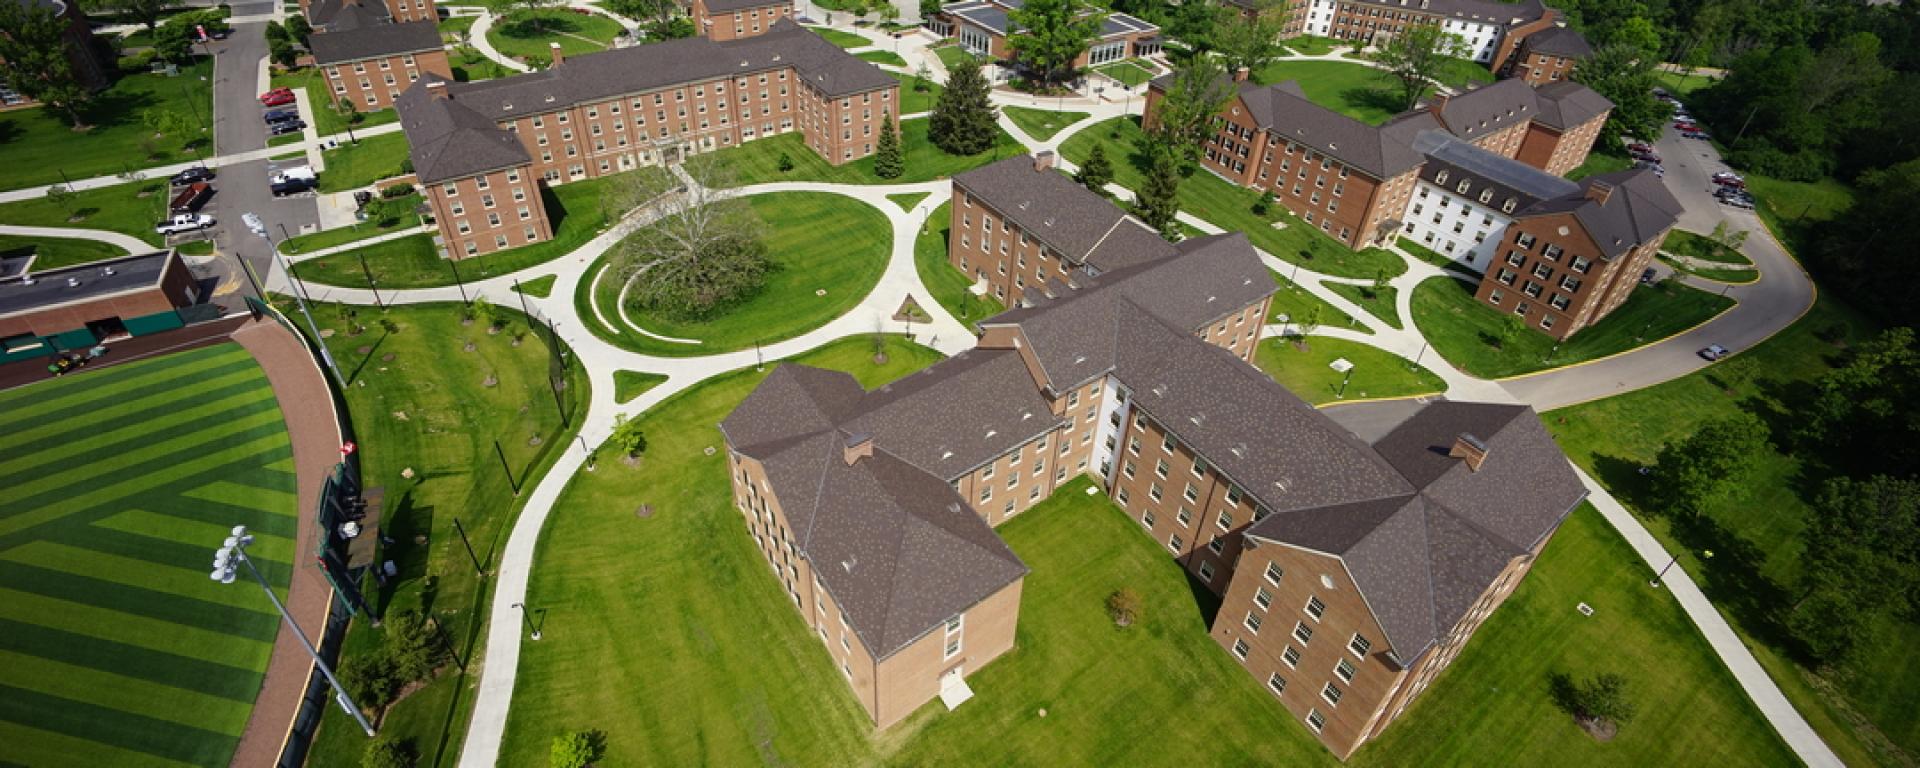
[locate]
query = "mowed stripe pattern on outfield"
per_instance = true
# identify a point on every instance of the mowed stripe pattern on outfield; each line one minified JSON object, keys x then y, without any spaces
{"x":115,"y":647}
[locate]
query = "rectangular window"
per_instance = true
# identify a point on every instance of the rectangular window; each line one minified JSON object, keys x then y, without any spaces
{"x":1263,"y":598}
{"x":1240,"y":649}
{"x":1253,"y":622}
{"x":1273,"y":574}
{"x":1206,"y":572}
{"x":1331,"y":694}
{"x":1315,"y":720}
{"x":1224,"y":521}
{"x":1359,"y":645}
{"x":1277,"y":684}
{"x":1174,"y":543}
{"x":1302,"y":632}
{"x":1345,"y":670}
{"x":1315,"y":608}
{"x":1291,"y":656}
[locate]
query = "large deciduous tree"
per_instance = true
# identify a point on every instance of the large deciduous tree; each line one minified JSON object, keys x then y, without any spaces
{"x":1625,"y":76}
{"x":963,"y":119}
{"x":1183,"y":117}
{"x":1862,"y":562}
{"x":1052,"y":33}
{"x":1707,"y":465}
{"x":701,"y":253}
{"x":1415,"y":57}
{"x":1246,"y":42}
{"x":33,"y":58}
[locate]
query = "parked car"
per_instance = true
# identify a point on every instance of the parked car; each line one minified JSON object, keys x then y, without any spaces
{"x":277,"y":97}
{"x":1648,"y":157}
{"x":1640,"y":147}
{"x":286,"y":126}
{"x":191,"y":175}
{"x":1728,"y":175}
{"x":183,"y":222}
{"x":1730,"y":183}
{"x":1685,"y":126}
{"x":1713,"y":352}
{"x":291,"y":187}
{"x":300,"y":172}
{"x":1647,"y":276}
{"x":1697,"y":134}
{"x":1743,"y":203}
{"x":279,"y":115}
{"x":191,"y":197}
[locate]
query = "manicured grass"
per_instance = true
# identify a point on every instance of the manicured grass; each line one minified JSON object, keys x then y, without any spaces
{"x":1041,"y":124}
{"x":1463,"y":330}
{"x":1600,"y":162}
{"x":1435,"y":258}
{"x":1376,"y":372}
{"x":574,"y":209}
{"x":1355,"y":90}
{"x":1697,"y":247}
{"x":359,"y":231}
{"x":1295,"y":302}
{"x":1379,"y":303}
{"x":907,"y":200}
{"x":948,"y":285}
{"x":1309,"y":45}
{"x":1757,"y":532}
{"x":539,"y":287}
{"x":195,"y":248}
{"x":526,"y":35}
{"x":1231,"y":208}
{"x":421,"y":402}
{"x":352,"y":166}
{"x":1789,"y":207}
{"x":118,"y":208}
{"x":1681,"y":85}
{"x":1127,"y":72}
{"x":469,"y":66}
{"x":56,"y":252}
{"x":882,"y":57}
{"x":1733,"y":276}
{"x":628,"y":385}
{"x":37,"y":145}
{"x":1460,"y":73}
{"x":952,"y":55}
{"x":914,"y":102}
{"x":815,"y":241}
{"x":758,"y":161}
{"x":1493,"y":706}
{"x":457,"y":25}
{"x":674,"y":692}
{"x":846,"y":40}
{"x":117,"y":649}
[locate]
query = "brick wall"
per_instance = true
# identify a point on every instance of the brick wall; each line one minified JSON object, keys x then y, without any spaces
{"x":374,"y":84}
{"x":733,"y":25}
{"x":478,"y":215}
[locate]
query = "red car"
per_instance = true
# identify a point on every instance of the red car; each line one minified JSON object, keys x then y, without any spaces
{"x":1686,"y":126}
{"x":277,"y":97}
{"x":1640,"y":147}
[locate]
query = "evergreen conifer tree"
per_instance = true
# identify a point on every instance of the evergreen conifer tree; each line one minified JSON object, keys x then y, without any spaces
{"x":962,"y":121}
{"x":887,"y":161}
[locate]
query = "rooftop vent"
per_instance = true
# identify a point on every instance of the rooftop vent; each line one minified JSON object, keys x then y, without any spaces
{"x":1159,"y":390}
{"x":1239,"y":450}
{"x":849,"y":563}
{"x":944,"y":455}
{"x":1080,"y":359}
{"x":1470,"y":449}
{"x":991,"y":433}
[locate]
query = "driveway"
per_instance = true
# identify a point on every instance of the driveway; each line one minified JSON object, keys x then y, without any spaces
{"x":238,"y":128}
{"x":1783,"y":293}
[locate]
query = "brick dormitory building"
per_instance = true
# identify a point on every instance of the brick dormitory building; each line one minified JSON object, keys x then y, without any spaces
{"x":1474,"y":176}
{"x":722,"y":20}
{"x":482,"y":150}
{"x":1353,"y":569}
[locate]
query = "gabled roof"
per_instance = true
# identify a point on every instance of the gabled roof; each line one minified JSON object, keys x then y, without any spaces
{"x":729,"y":6}
{"x":1482,"y":11}
{"x":1488,"y":109}
{"x":1565,"y":104}
{"x":957,"y":414}
{"x":993,"y":15}
{"x":1559,"y":41}
{"x":373,"y":41}
{"x":1480,"y":170}
{"x":447,"y":139}
{"x":1084,"y":227}
{"x":1284,"y":110}
{"x":1638,"y":209}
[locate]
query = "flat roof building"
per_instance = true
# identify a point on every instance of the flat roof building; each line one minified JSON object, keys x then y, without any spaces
{"x":43,"y":313}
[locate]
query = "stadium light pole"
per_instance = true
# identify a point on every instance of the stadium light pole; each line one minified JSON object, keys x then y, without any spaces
{"x":299,"y":291}
{"x":226,"y":560}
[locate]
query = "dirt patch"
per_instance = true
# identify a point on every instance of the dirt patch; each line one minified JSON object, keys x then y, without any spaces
{"x":644,"y":511}
{"x":1601,"y":730}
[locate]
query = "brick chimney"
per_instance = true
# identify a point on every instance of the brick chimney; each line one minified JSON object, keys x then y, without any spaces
{"x":1436,"y":103}
{"x":1470,"y":449}
{"x":1043,"y":160}
{"x":437,"y":89}
{"x":859,"y":445}
{"x":558,"y":56}
{"x":1599,"y":191}
{"x":1240,"y":75}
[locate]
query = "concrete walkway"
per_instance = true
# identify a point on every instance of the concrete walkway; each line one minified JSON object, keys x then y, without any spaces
{"x":130,"y":243}
{"x":477,"y":38}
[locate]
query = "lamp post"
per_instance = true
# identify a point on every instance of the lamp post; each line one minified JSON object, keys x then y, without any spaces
{"x":226,"y":561}
{"x":1342,"y":366}
{"x":299,"y":298}
{"x":1705,"y":554}
{"x":527,"y":620}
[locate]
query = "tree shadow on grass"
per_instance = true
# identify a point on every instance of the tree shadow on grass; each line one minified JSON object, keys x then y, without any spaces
{"x":541,"y":26}
{"x":1377,"y":97}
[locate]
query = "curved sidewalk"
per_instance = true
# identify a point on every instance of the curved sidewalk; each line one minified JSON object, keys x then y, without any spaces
{"x":314,"y":430}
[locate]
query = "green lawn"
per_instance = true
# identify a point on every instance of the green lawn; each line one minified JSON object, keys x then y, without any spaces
{"x":1231,"y":208}
{"x":1041,"y":124}
{"x":325,"y":119}
{"x":758,"y":161}
{"x":116,"y":649}
{"x":422,"y":402}
{"x":119,"y":208}
{"x":352,"y":166}
{"x":947,"y":284}
{"x":539,"y":287}
{"x":907,"y":200}
{"x":359,"y":231}
{"x":574,"y":209}
{"x":1756,"y":533}
{"x":914,"y":102}
{"x":1697,"y":247}
{"x":1378,"y":303}
{"x":1790,"y":207}
{"x":846,"y":40}
{"x":469,"y":65}
{"x":1128,"y":72}
{"x":817,"y":242}
{"x":526,"y":35}
{"x":1355,"y":90}
{"x":37,"y":146}
{"x":1464,"y":331}
{"x":1459,"y":73}
{"x":1377,"y":374}
{"x":952,"y":55}
{"x":882,"y":57}
{"x":1295,"y":302}
{"x":1492,"y":707}
{"x":1599,"y":162}
{"x":1680,"y":85}
{"x":628,"y":385}
{"x":1733,"y":276}
{"x":457,"y":25}
{"x":1434,"y":257}
{"x":53,"y":253}
{"x":640,"y":645}
{"x":1310,"y":45}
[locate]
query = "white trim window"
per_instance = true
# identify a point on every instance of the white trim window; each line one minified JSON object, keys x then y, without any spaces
{"x":1277,"y":684}
{"x":1302,"y":632}
{"x":1253,"y":622}
{"x":1331,"y":693}
{"x":1359,"y":646}
{"x":1316,"y":721}
{"x":1315,"y":608}
{"x":956,"y":627}
{"x":1240,"y":649}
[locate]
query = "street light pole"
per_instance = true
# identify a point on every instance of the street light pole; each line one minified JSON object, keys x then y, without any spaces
{"x":299,"y":298}
{"x":225,"y":561}
{"x":527,"y":620}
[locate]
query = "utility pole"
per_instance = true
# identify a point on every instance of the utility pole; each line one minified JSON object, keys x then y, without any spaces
{"x":300,"y":299}
{"x":226,"y":560}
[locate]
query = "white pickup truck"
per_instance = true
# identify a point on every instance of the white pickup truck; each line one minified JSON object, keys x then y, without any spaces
{"x":183,"y":222}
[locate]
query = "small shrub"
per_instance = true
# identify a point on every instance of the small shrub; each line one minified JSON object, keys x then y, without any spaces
{"x":397,"y":190}
{"x":1124,"y":606}
{"x":576,"y":749}
{"x":388,"y":752}
{"x":627,"y":437}
{"x":1264,"y":204}
{"x":786,"y":162}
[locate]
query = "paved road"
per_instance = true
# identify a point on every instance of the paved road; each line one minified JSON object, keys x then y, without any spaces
{"x":238,"y":71}
{"x":1783,"y":293}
